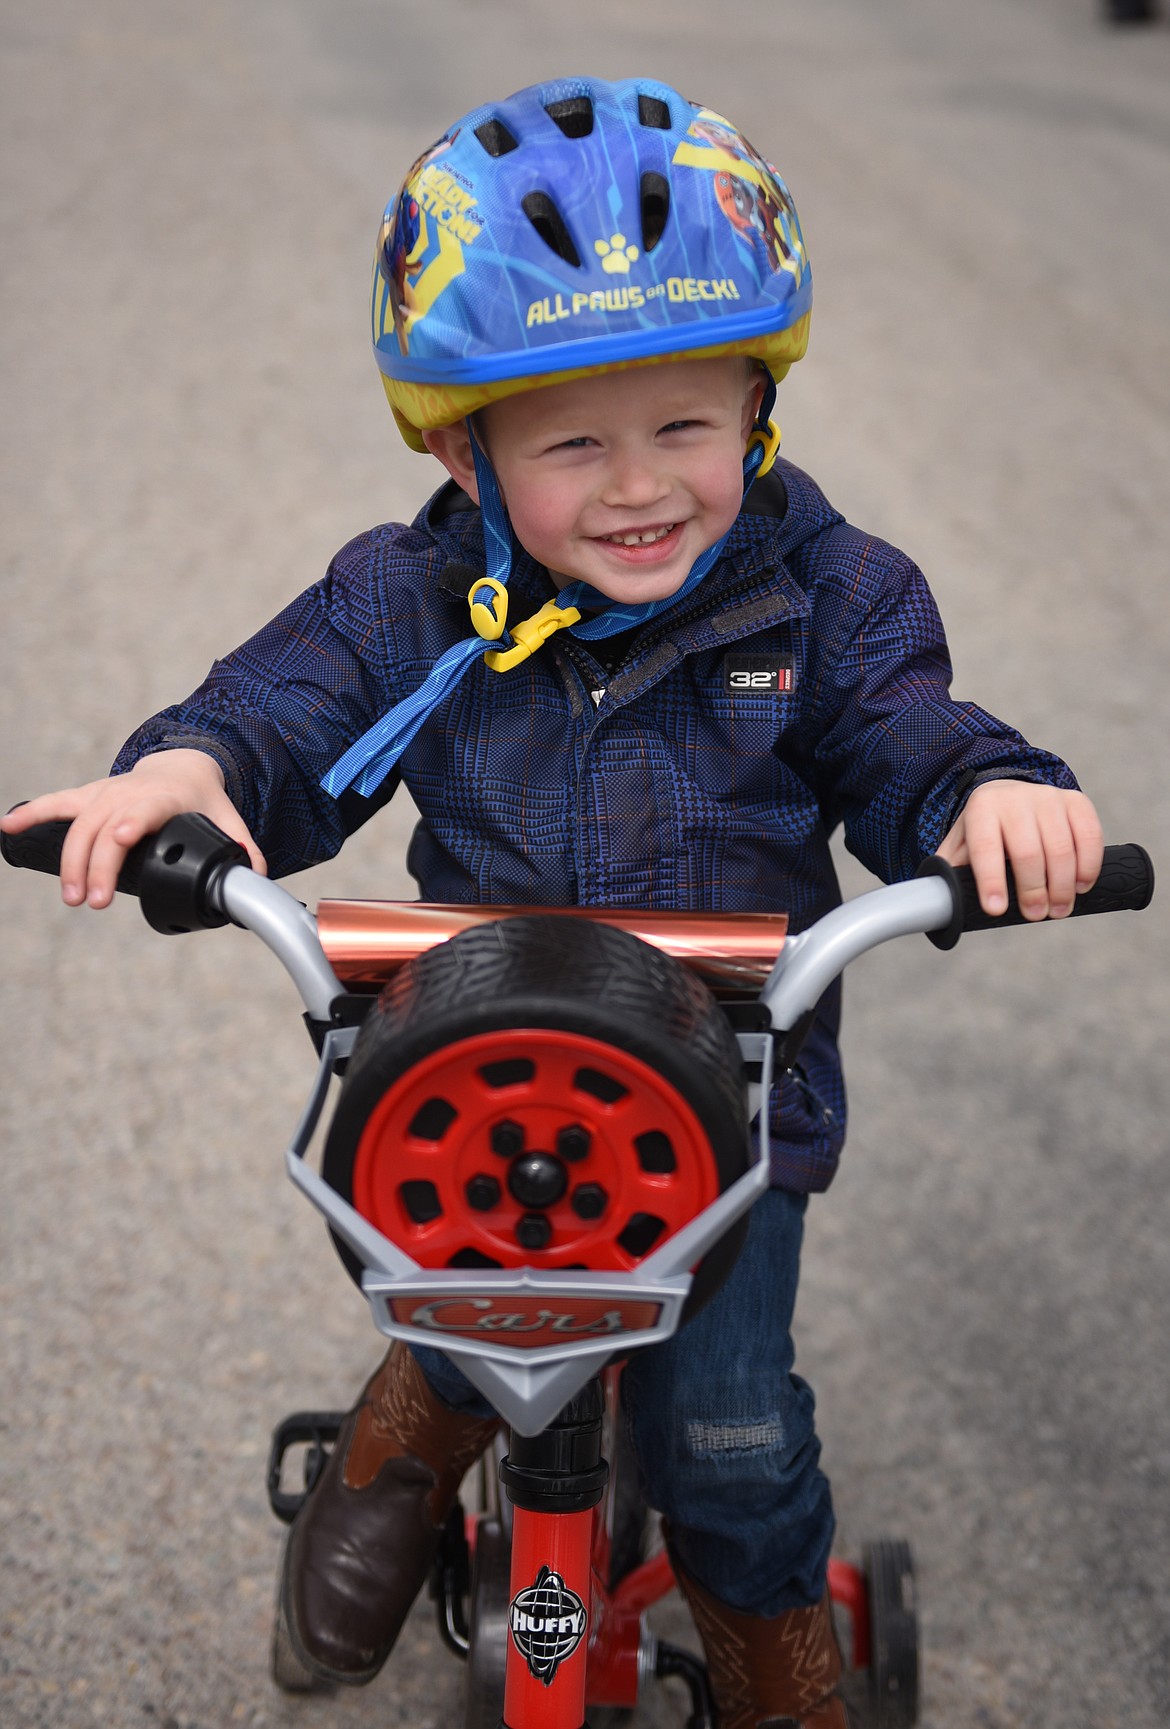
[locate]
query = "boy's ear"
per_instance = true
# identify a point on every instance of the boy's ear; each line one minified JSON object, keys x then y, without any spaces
{"x":452,"y":446}
{"x":752,"y":401}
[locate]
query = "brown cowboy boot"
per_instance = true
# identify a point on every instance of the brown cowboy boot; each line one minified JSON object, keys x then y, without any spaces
{"x":362,"y":1545}
{"x":776,"y":1672}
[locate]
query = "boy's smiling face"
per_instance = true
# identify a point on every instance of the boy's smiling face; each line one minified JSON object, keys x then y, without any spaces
{"x":621,"y":480}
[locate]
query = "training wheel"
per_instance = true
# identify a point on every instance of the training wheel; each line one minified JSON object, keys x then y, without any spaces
{"x":483,"y":1704}
{"x":893,"y":1634}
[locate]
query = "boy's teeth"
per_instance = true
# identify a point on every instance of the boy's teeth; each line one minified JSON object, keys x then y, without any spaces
{"x":642,"y":539}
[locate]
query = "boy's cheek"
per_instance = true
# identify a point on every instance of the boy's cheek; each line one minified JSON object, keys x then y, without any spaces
{"x":541,"y":531}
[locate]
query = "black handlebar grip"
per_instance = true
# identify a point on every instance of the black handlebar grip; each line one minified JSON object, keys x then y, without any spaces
{"x":39,"y":849}
{"x":1126,"y":884}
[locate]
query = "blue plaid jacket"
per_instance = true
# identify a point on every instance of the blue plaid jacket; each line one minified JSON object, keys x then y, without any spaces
{"x":670,"y":782}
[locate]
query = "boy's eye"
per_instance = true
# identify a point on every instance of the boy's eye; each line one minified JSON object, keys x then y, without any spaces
{"x":573,"y":444}
{"x":679,"y":425}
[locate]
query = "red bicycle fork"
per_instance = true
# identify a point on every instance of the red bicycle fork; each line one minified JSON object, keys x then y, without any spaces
{"x":554,"y":1480}
{"x":563,"y":1618}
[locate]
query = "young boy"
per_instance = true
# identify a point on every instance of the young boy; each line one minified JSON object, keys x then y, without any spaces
{"x":583,"y":300}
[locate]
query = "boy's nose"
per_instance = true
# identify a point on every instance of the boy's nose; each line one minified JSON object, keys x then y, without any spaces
{"x":635,"y":483}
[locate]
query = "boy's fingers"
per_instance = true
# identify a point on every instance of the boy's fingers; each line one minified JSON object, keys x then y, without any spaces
{"x":112,"y":834}
{"x":49,"y":807}
{"x":1025,"y":851}
{"x":985,"y":854}
{"x":16,"y":821}
{"x":1051,"y":838}
{"x":106,"y":858}
{"x":1060,"y":857}
{"x":1089,"y":840}
{"x":107,"y":836}
{"x":75,"y":857}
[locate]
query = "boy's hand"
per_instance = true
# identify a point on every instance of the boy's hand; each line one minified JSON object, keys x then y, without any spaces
{"x":108,"y":817}
{"x":1051,"y":837}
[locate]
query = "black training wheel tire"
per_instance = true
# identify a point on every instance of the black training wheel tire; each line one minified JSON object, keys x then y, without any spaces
{"x":567,"y":975}
{"x":631,"y":1528}
{"x":893,"y":1634}
{"x":483,"y":1699}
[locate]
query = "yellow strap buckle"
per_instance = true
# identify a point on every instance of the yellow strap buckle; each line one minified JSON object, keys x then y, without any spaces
{"x":769,"y":441}
{"x":488,"y":618}
{"x":530,"y":633}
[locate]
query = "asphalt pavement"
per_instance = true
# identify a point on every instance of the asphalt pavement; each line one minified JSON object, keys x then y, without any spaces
{"x":193,"y":425}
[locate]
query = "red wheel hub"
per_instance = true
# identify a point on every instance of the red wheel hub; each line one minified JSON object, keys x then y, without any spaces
{"x":532,"y":1148}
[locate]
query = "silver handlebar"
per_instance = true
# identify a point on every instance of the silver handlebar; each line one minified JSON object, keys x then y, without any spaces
{"x":285,"y":926}
{"x":807,"y":965}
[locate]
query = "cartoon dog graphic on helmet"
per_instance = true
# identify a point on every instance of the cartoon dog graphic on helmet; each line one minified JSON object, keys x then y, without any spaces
{"x":749,"y":192}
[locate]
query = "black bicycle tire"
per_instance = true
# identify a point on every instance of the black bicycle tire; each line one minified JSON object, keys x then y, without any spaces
{"x":629,"y":1537}
{"x":483,"y":1695}
{"x":888,"y":1566}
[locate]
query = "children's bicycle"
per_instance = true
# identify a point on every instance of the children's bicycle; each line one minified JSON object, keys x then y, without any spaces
{"x":550,"y":1128}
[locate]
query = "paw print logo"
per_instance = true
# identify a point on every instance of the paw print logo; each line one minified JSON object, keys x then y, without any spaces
{"x":615,"y":255}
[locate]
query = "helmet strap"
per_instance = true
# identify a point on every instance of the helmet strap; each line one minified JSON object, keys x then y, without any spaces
{"x":763,"y":440}
{"x":497,"y":527}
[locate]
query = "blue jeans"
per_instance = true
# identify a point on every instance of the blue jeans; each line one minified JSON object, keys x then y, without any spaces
{"x":724,"y":1430}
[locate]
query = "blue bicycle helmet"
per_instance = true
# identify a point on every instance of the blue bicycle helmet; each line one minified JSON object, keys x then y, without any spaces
{"x":577,"y":226}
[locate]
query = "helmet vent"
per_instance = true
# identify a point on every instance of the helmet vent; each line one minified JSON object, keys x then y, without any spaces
{"x":495,"y":138}
{"x":550,"y":225}
{"x":652,"y":112}
{"x":655,"y":209}
{"x":574,"y":116}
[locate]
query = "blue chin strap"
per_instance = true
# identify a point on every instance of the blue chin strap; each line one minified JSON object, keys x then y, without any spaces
{"x":369,"y":760}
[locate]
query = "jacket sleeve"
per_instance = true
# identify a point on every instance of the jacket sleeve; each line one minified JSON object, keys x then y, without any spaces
{"x":278,"y":712}
{"x":893,"y":755}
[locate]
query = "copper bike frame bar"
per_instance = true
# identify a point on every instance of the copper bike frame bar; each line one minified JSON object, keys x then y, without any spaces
{"x":367,"y":941}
